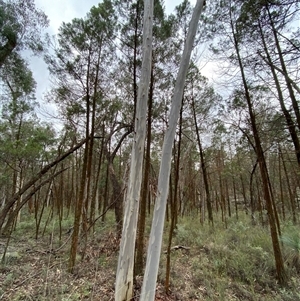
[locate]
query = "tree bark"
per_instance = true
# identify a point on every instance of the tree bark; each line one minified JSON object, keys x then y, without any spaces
{"x":124,"y":277}
{"x":173,"y":204}
{"x":155,"y":241}
{"x":284,"y":69}
{"x":288,"y":118}
{"x":145,"y":189}
{"x":8,"y":205}
{"x":263,"y":169}
{"x":203,"y":168}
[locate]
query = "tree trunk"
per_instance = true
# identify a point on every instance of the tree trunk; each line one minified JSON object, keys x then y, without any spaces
{"x":203,"y":168}
{"x":124,"y":277}
{"x":78,"y":212}
{"x":263,"y":170}
{"x":173,"y":204}
{"x":139,"y":262}
{"x":84,"y":181}
{"x":288,"y":118}
{"x":155,"y":241}
{"x":284,"y":69}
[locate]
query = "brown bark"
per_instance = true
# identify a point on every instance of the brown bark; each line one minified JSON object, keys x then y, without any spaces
{"x":14,"y":213}
{"x":203,"y":168}
{"x":263,"y":169}
{"x":30,"y":183}
{"x":288,"y":118}
{"x":284,"y":69}
{"x":173,"y":203}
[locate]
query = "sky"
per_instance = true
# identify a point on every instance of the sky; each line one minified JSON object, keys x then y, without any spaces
{"x":59,"y":11}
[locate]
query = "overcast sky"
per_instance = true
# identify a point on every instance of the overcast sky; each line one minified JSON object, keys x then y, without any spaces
{"x":59,"y":11}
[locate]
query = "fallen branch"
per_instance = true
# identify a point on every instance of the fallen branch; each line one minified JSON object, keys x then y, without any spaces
{"x":178,"y":248}
{"x":9,"y":204}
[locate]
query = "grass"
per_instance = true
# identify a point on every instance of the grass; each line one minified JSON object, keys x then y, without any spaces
{"x":223,"y":263}
{"x":231,"y":263}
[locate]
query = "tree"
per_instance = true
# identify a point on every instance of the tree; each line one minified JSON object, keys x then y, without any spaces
{"x":124,"y":280}
{"x":24,"y":139}
{"x":84,"y":52}
{"x":266,"y":27}
{"x":261,"y":159}
{"x":240,"y":54}
{"x":21,"y":25}
{"x":202,"y":101}
{"x":163,"y":31}
{"x":154,"y":248}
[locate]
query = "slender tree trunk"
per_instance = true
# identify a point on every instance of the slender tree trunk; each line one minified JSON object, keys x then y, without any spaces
{"x":154,"y":247}
{"x":288,"y":118}
{"x":124,"y":277}
{"x":284,"y":69}
{"x":252,"y":204}
{"x":263,"y":170}
{"x":139,"y":262}
{"x":135,"y":62}
{"x":106,"y":188}
{"x":235,"y":198}
{"x":281,"y":185}
{"x":78,"y":212}
{"x":94,"y":201}
{"x":89,"y":175}
{"x":83,"y":190}
{"x":203,"y":168}
{"x":173,"y":205}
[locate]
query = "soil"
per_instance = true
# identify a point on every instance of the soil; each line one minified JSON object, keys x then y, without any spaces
{"x":38,"y":270}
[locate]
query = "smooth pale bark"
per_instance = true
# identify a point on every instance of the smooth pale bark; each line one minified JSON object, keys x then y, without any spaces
{"x":124,"y":278}
{"x":155,"y":241}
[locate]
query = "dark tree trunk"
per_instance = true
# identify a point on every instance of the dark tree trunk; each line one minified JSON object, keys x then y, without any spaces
{"x":263,"y":170}
{"x":203,"y":168}
{"x":288,"y":118}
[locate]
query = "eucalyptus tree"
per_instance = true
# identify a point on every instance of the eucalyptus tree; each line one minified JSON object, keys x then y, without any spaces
{"x":124,"y":280}
{"x":24,"y":138}
{"x":81,"y":67}
{"x":155,"y":241}
{"x":269,"y":28}
{"x":204,"y":105}
{"x":21,"y":26}
{"x":161,"y":82}
{"x":236,"y":38}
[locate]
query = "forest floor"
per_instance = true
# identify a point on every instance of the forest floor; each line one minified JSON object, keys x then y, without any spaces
{"x":232,"y":261}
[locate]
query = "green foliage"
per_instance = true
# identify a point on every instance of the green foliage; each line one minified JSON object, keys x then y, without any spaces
{"x":21,"y":24}
{"x":291,"y":240}
{"x":81,"y":65}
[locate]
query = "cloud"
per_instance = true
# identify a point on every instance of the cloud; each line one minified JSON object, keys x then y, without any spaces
{"x":59,"y":11}
{"x":64,"y":11}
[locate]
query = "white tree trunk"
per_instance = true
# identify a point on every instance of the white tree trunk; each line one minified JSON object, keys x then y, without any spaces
{"x":155,"y":240}
{"x":124,"y":277}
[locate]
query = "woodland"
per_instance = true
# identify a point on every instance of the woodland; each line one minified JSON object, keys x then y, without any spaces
{"x":150,"y":181}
